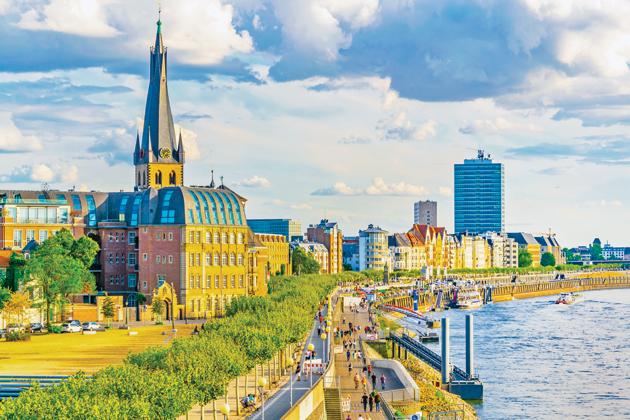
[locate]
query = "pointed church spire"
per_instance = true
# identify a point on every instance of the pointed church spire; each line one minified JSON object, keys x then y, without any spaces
{"x":136,"y":151}
{"x":212,"y":178}
{"x":180,"y":148}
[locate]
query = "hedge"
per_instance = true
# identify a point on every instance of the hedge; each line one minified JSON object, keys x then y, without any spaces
{"x":165,"y":382}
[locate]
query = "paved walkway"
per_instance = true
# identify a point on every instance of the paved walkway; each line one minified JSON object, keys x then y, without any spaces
{"x":292,"y":391}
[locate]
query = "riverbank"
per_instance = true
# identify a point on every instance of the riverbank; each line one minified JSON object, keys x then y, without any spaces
{"x":432,"y":399}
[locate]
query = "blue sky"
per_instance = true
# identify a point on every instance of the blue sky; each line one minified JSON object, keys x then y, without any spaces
{"x":349,"y":110}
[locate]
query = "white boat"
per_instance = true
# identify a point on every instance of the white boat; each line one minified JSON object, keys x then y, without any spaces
{"x":468,"y":299}
{"x":568,"y":298}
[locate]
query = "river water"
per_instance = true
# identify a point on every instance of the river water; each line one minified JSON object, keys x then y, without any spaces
{"x":538,"y":360}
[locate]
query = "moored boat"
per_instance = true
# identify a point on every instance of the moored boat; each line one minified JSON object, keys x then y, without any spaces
{"x":468,"y":298}
{"x":568,"y":298}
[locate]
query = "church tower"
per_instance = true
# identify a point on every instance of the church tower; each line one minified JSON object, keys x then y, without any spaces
{"x":159,"y":155}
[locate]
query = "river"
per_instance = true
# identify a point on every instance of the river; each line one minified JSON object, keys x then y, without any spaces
{"x":538,"y":360}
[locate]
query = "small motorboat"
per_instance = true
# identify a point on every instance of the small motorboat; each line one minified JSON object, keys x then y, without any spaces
{"x":568,"y":298}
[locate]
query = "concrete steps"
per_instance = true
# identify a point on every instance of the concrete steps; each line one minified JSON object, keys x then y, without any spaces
{"x":332,"y":401}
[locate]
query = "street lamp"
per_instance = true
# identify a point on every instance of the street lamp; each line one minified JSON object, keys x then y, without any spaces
{"x":225,"y":410}
{"x":262,"y":382}
{"x":290,"y":363}
{"x":323,"y":337}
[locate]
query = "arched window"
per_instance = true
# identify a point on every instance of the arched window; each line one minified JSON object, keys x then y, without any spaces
{"x":224,"y":259}
{"x":224,"y":238}
{"x":144,"y":178}
{"x":231,"y":237}
{"x":158,"y":178}
{"x":216,"y":259}
{"x":240,"y":238}
{"x":171,"y":178}
{"x":240,"y":259}
{"x":139,"y":178}
{"x":232,"y":259}
{"x":216,"y":237}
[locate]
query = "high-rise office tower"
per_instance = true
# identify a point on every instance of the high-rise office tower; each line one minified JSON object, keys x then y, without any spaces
{"x":479,"y":195}
{"x":425,"y":213}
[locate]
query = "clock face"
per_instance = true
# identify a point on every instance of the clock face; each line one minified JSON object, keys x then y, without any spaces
{"x":165,"y":153}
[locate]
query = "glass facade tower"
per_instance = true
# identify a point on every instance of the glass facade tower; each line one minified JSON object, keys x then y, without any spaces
{"x":479,"y":195}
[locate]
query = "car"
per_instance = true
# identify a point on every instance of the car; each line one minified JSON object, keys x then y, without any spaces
{"x":15,"y":328}
{"x":3,"y":332}
{"x":36,"y":327}
{"x":72,"y":326}
{"x":91,"y":326}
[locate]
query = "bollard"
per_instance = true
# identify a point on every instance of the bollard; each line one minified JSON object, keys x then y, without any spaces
{"x":470,"y":346}
{"x":445,"y":352}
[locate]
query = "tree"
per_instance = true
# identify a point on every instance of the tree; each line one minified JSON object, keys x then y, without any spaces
{"x":108,"y":309}
{"x":15,"y":307}
{"x":5,"y":296}
{"x":157,"y":306}
{"x":524,"y":258}
{"x":60,"y":268}
{"x":547,"y":259}
{"x":596,"y":250}
{"x":304,"y":263}
{"x":15,"y":271}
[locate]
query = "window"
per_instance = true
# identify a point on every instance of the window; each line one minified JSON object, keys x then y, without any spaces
{"x":241,"y":282}
{"x":197,"y":259}
{"x":167,"y":215}
{"x":233,"y":281}
{"x":170,"y":236}
{"x":110,"y":258}
{"x":157,"y":259}
{"x":117,"y":259}
{"x":198,"y":237}
{"x":43,"y":235}
{"x":191,"y":258}
{"x":76,"y":203}
{"x":232,"y":259}
{"x":161,"y":279}
{"x":192,"y":237}
{"x":216,"y":281}
{"x":197,"y":277}
{"x":192,"y":281}
{"x":116,"y":235}
{"x":170,"y":259}
{"x":91,"y":210}
{"x":131,"y":238}
{"x":224,"y":238}
{"x":240,"y":238}
{"x":157,"y":236}
{"x":131,"y":300}
{"x":131,"y":258}
{"x":224,"y":281}
{"x":158,"y":178}
{"x":171,"y":178}
{"x":216,"y":259}
{"x":17,"y":237}
{"x":208,"y":238}
{"x":30,"y":235}
{"x":224,"y":259}
{"x":240,"y":259}
{"x":135,"y":211}
{"x":208,"y":258}
{"x":209,"y":281}
{"x":111,"y":279}
{"x":144,"y":285}
{"x":145,"y":256}
{"x":131,"y":280}
{"x":122,"y":208}
{"x":231,"y":237}
{"x":216,"y":237}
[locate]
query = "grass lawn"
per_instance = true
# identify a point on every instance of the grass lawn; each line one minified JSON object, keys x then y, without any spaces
{"x":65,"y":354}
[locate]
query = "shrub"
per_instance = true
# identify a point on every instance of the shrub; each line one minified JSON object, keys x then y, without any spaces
{"x":55,"y":329}
{"x":18,"y":336}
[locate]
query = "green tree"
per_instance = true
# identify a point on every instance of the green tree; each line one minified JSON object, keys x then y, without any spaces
{"x":547,"y":259}
{"x":5,"y":296}
{"x":596,"y":250}
{"x":524,"y":258}
{"x":157,"y":306}
{"x":303,"y":262}
{"x":15,"y":271}
{"x":60,"y":268}
{"x":108,"y":309}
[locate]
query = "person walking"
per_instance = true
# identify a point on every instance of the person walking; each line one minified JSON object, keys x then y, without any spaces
{"x":373,"y":380}
{"x":356,"y":380}
{"x":371,"y":402}
{"x":377,"y":402}
{"x":348,"y":356}
{"x":364,"y":401}
{"x":348,"y":418}
{"x":382,"y":381}
{"x":350,"y":367}
{"x":298,"y":371}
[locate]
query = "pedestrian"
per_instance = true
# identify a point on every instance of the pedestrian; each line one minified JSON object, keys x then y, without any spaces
{"x":298,"y":371}
{"x":350,"y":367}
{"x":371,"y":402}
{"x":364,"y":369}
{"x":319,"y":331}
{"x":370,"y":369}
{"x":348,"y":356}
{"x":356,"y":380}
{"x":364,"y":383}
{"x":364,"y":401}
{"x":348,"y":418}
{"x":360,"y":417}
{"x":373,"y":380}
{"x":377,"y":402}
{"x":382,"y":381}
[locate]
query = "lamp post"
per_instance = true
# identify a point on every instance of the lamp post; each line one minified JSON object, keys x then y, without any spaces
{"x":324,"y":336}
{"x":261,"y":385}
{"x":290,"y":363}
{"x":310,"y":348}
{"x":225,"y":410}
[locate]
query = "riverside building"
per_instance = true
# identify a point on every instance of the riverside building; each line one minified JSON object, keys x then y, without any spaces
{"x":479,"y":196}
{"x":189,"y":245}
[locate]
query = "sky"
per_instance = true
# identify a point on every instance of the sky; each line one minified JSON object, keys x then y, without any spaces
{"x":349,"y":110}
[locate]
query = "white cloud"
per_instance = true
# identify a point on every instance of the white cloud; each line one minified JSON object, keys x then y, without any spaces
{"x":316,"y":25}
{"x":77,"y":17}
{"x":399,"y":128}
{"x":255,"y":182}
{"x":445,"y":191}
{"x":191,"y":142}
{"x":5,"y":6}
{"x":40,"y":173}
{"x":378,"y":188}
{"x":11,"y":138}
{"x":288,"y":205}
{"x":605,"y":203}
